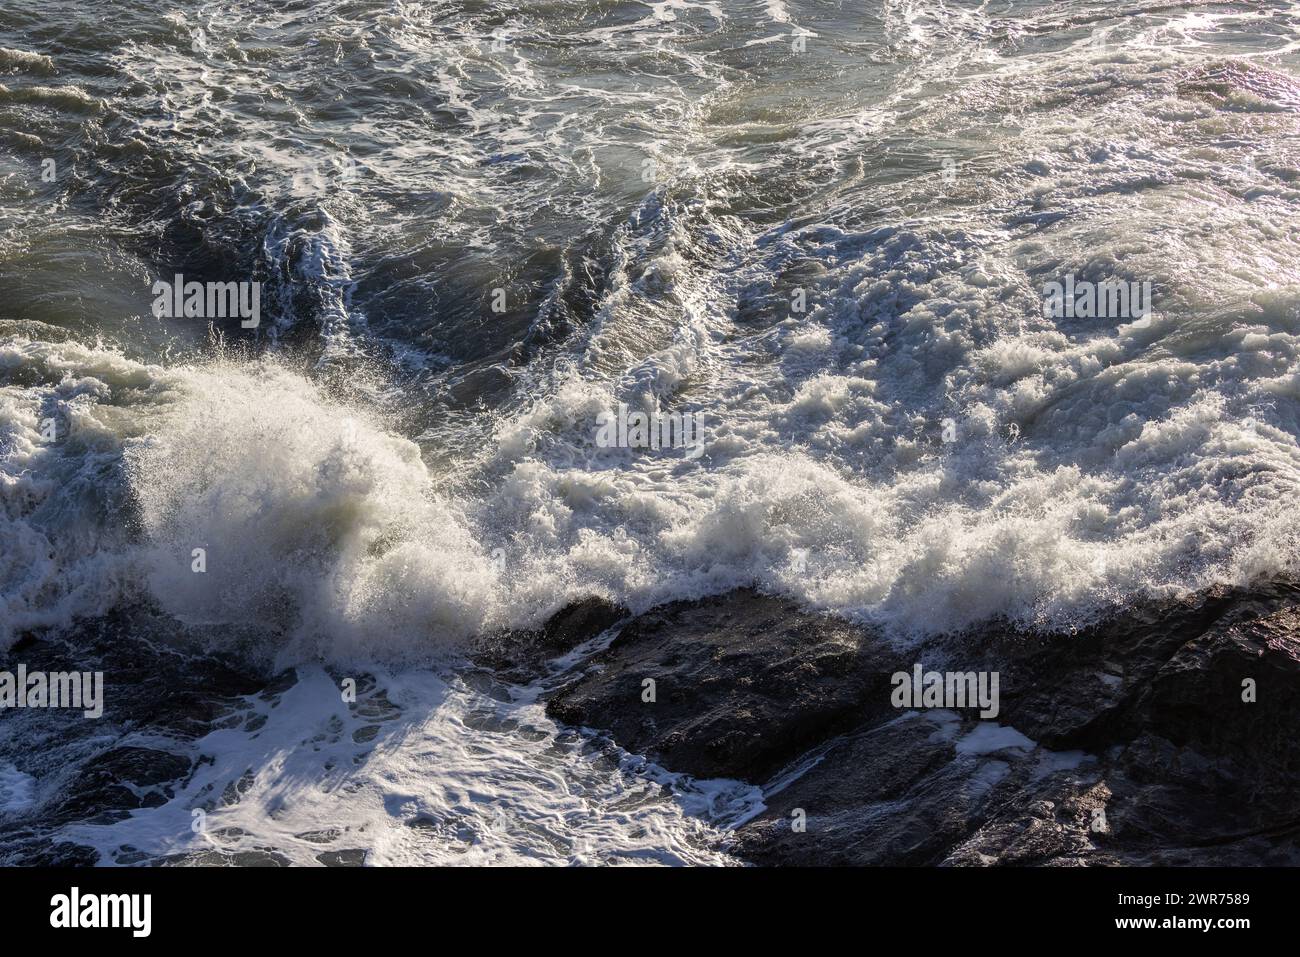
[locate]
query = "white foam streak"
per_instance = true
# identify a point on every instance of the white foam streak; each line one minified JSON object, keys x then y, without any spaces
{"x":442,"y":775}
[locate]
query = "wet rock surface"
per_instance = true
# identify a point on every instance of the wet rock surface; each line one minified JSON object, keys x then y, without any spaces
{"x":1132,"y":742}
{"x":522,"y":656}
{"x":742,"y":684}
{"x":1129,"y":743}
{"x":156,"y":700}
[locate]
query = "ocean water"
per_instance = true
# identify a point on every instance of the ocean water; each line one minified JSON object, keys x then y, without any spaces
{"x":823,"y":229}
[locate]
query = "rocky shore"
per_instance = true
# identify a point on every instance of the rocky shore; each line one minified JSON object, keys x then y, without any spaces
{"x":1132,"y":743}
{"x":1166,"y":735}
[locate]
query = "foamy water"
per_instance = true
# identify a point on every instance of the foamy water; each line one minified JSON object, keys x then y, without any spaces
{"x":388,"y":467}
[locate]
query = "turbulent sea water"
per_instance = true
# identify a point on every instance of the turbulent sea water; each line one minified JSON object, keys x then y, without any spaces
{"x":389,"y":466}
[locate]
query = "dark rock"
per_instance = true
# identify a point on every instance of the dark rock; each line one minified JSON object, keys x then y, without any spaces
{"x":118,"y":781}
{"x":521,"y":656}
{"x":1068,"y":691}
{"x":579,"y":622}
{"x":834,"y":814}
{"x":148,"y":681}
{"x":743,"y":683}
{"x":1129,"y":743}
{"x":83,"y":772}
{"x":352,"y":857}
{"x":26,"y":848}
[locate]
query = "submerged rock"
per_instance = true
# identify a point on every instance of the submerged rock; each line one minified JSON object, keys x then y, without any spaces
{"x":88,"y":770}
